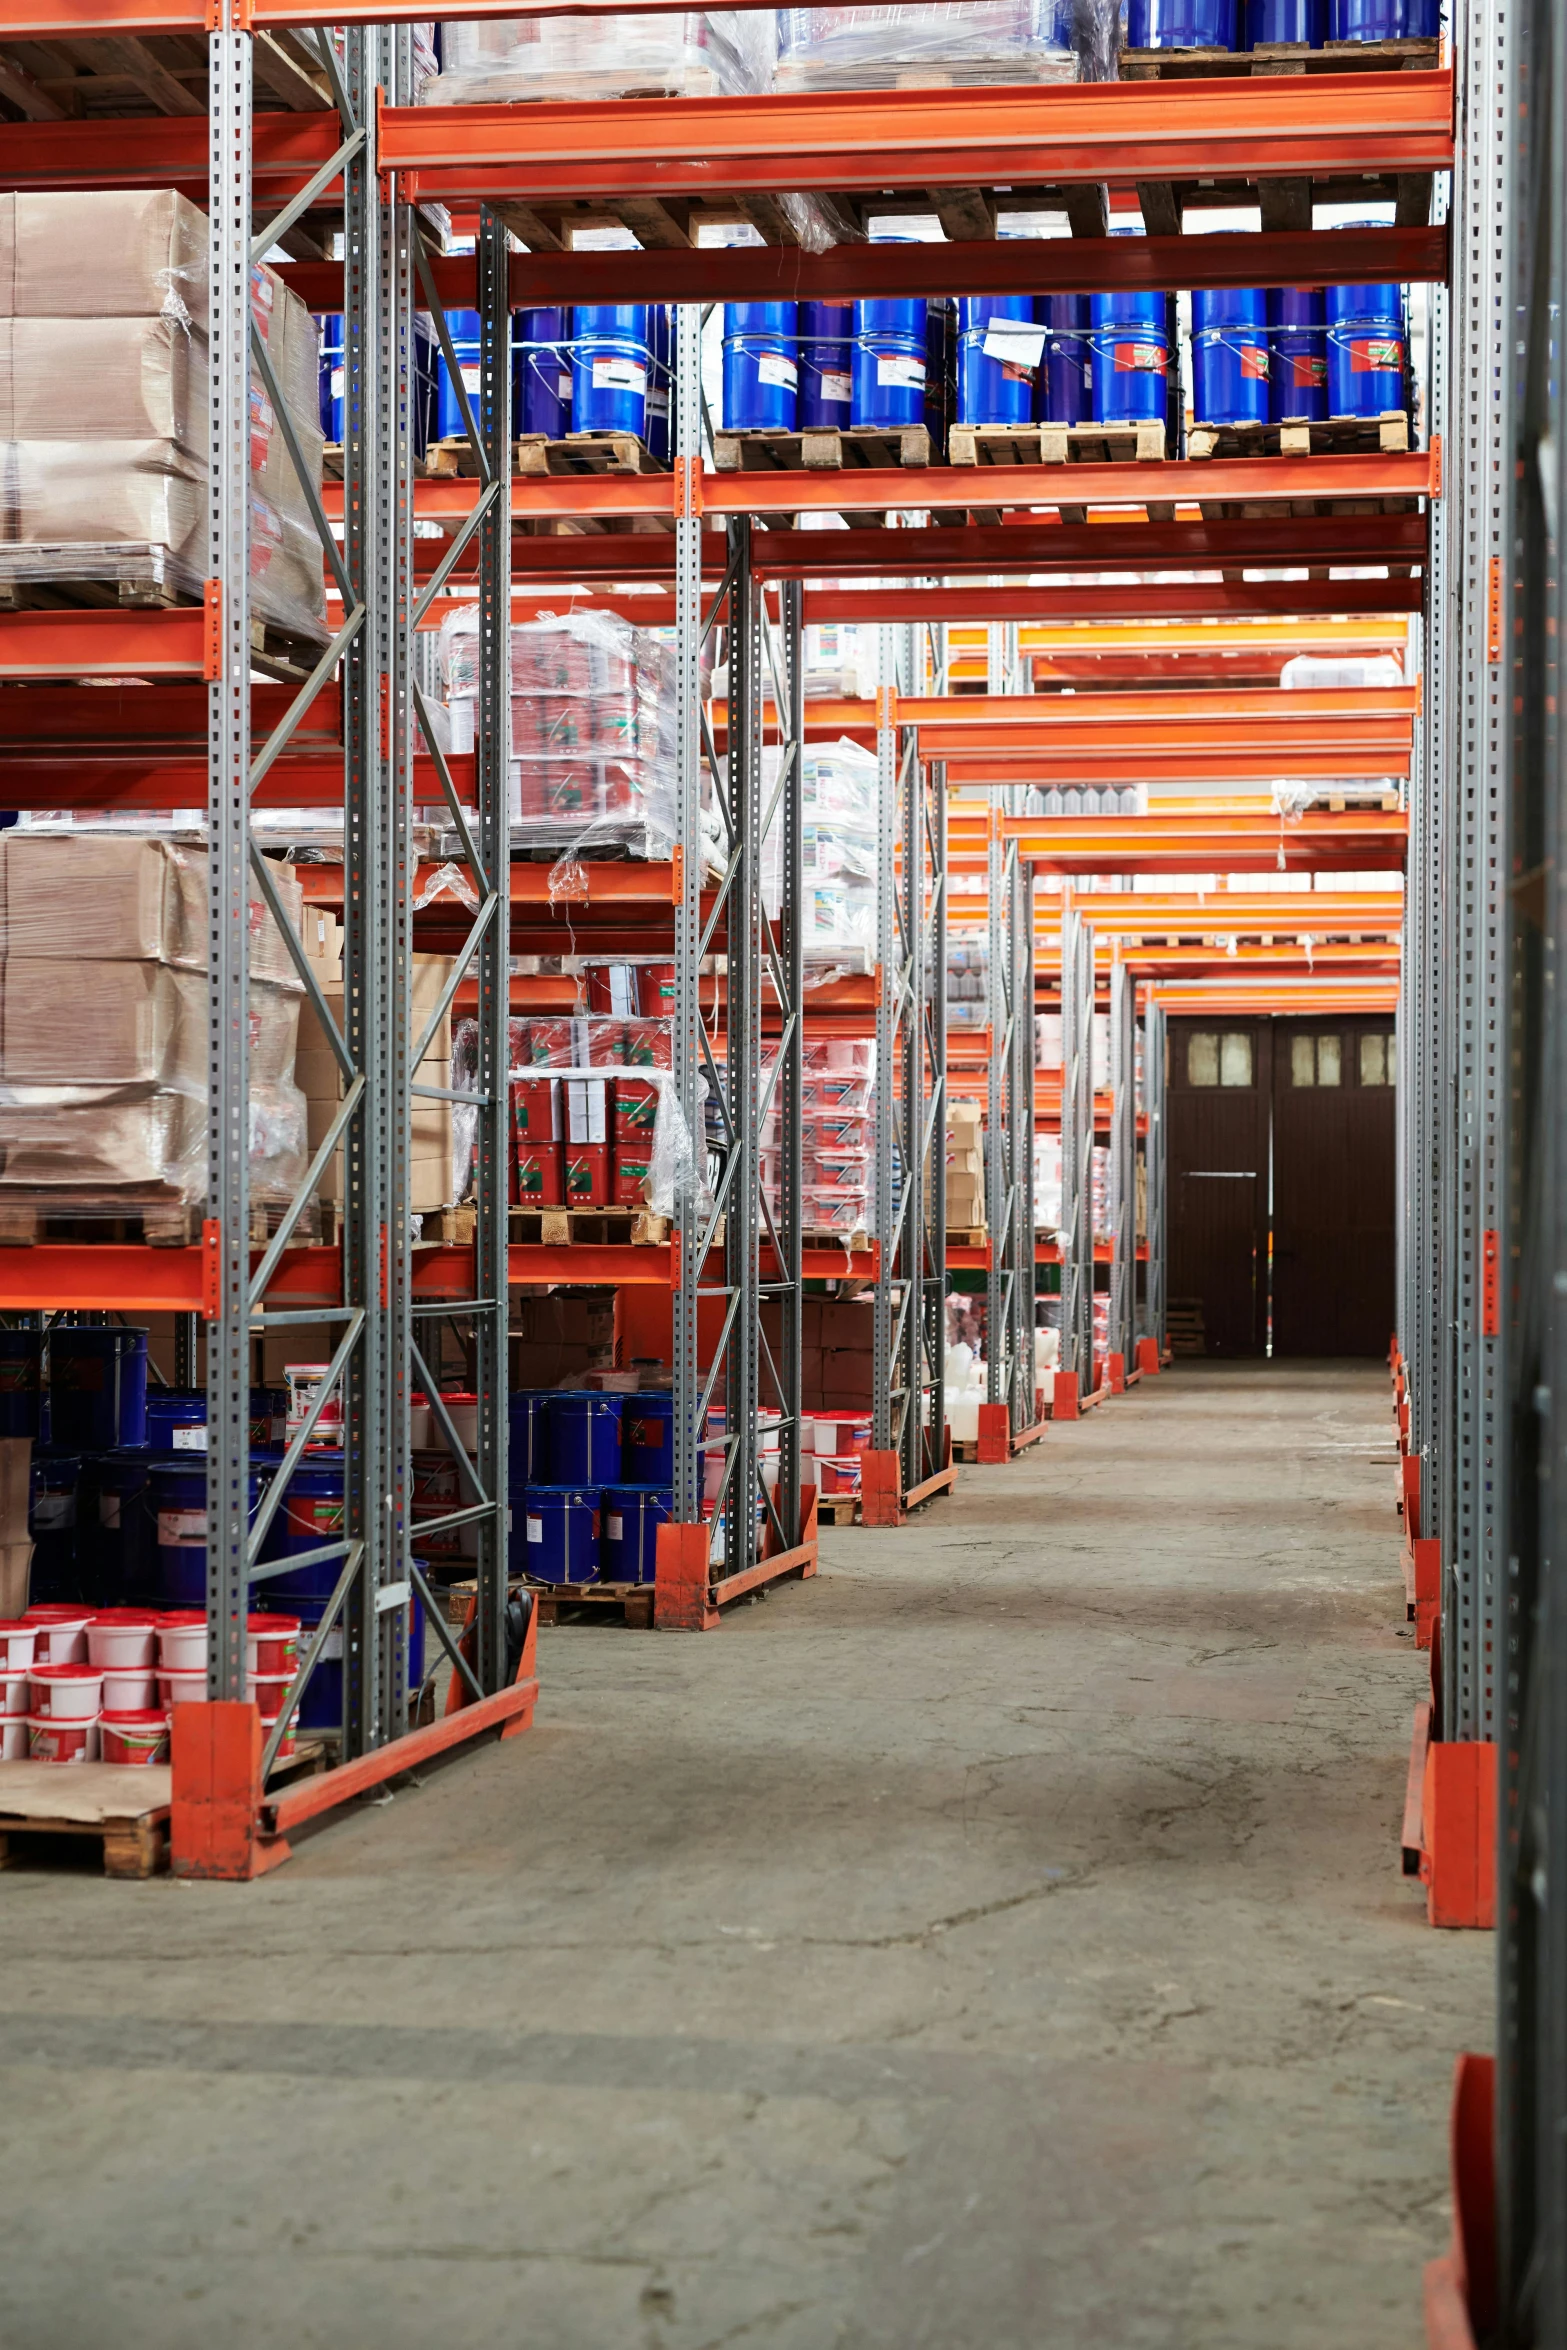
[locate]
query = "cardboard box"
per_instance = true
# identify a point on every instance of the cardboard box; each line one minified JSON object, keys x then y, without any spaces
{"x":431,"y":1146}
{"x":131,"y":252}
{"x":156,"y":1142}
{"x":142,"y":907}
{"x":114,"y":1024}
{"x":16,"y":1465}
{"x":103,"y":379}
{"x":16,"y":1571}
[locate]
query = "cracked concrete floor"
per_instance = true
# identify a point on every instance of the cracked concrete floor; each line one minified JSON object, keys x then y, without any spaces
{"x":996,"y":1944}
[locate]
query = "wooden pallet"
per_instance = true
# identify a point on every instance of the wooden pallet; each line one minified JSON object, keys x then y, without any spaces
{"x":1279,"y":57}
{"x":831,"y":449}
{"x":1336,"y":436}
{"x":161,"y":1225}
{"x":967,"y":1235}
{"x":588,"y":1227}
{"x":125,"y":1808}
{"x":627,"y":1603}
{"x":1056,"y":444}
{"x":448,"y":1227}
{"x":535,"y":454}
{"x":852,"y":1241}
{"x":838,"y":1509}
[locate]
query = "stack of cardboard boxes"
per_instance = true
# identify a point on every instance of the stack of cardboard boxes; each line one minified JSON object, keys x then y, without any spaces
{"x":432,"y":1181}
{"x":560,"y":1337}
{"x":103,"y":1027}
{"x":104,"y":411}
{"x":965,"y":1167}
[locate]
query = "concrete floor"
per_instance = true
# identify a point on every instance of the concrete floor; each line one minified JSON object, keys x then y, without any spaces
{"x":996,"y":1944}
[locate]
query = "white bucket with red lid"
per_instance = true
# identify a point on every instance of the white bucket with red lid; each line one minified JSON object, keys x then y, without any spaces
{"x":63,"y":1742}
{"x":274,"y":1643}
{"x":129,"y":1689}
{"x":137,"y":1736}
{"x":13,"y":1737}
{"x":270,"y":1691}
{"x":15,"y":1693}
{"x":60,"y":1633}
{"x":123,"y":1636}
{"x":182,"y":1640}
{"x":16,"y":1644}
{"x":66,"y":1693}
{"x":185,"y":1682}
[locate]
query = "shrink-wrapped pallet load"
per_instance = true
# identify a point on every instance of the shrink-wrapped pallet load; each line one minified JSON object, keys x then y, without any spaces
{"x":691,"y":53}
{"x":104,"y":407}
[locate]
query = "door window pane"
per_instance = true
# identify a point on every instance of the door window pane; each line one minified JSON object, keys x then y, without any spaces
{"x":1235,"y":1059}
{"x":1303,"y":1060}
{"x":1202,"y":1058}
{"x":1328,"y":1058}
{"x":1375,"y":1056}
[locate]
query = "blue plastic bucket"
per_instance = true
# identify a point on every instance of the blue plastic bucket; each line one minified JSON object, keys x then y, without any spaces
{"x":177,"y":1420}
{"x":528,"y":1445}
{"x":1129,"y":337}
{"x":1230,"y":356}
{"x":541,"y":372}
{"x":51,"y":1521}
{"x":629,"y":1519}
{"x":114,"y":1527}
{"x":1303,"y":23}
{"x":995,"y":386}
{"x":97,"y":1389}
{"x":611,"y":361}
{"x":826,"y":347}
{"x":888,"y":375}
{"x":660,"y":382}
{"x":464,"y":328}
{"x":1365,"y":328}
{"x":310,"y":1515}
{"x":1065,"y":393}
{"x":1297,"y":354}
{"x":321,"y":1700}
{"x":761,"y":373}
{"x":560,"y":1534}
{"x":1382,"y":20}
{"x":21,"y":1383}
{"x":268,"y":1418}
{"x":583,"y":1437}
{"x":648,"y":1440}
{"x":331,"y":375}
{"x":1181,"y":24}
{"x":177,"y":1504}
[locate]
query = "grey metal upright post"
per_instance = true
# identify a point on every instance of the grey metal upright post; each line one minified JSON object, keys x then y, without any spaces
{"x":1155,"y":1159}
{"x":689,"y":1078}
{"x":888,"y":1010}
{"x":1025,"y":1410}
{"x":228,"y":855}
{"x":741,"y":894}
{"x":1077,"y":1142}
{"x":1000,"y":1137}
{"x":932,"y":1413}
{"x":1123,"y":1165}
{"x":781,"y":1094}
{"x":1472,"y":1535}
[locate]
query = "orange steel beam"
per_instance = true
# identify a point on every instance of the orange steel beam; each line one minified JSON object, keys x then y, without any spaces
{"x":901,"y":489}
{"x":1150,"y":915}
{"x":1310,"y":127}
{"x":1311,"y":999}
{"x":109,"y":644}
{"x":1045,"y":640}
{"x":1007,"y":265}
{"x":1020,"y":716}
{"x":158,"y":151}
{"x":1358,"y":841}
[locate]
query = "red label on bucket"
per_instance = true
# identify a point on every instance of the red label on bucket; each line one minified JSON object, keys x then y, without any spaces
{"x":1254,"y":361}
{"x":1308,"y":369}
{"x":1141,"y":359}
{"x":1375,"y":357}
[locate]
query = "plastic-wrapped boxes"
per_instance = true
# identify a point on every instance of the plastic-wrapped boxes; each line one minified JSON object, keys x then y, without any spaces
{"x":688,"y":54}
{"x":103,"y":1028}
{"x":838,"y":827}
{"x":432,"y":1149}
{"x":965,"y":1167}
{"x":103,"y":404}
{"x":975,"y":41}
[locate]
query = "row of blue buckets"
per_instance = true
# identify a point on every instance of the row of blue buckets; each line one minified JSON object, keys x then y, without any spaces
{"x":590,"y":1480}
{"x":1249,"y":24}
{"x":600,"y":367}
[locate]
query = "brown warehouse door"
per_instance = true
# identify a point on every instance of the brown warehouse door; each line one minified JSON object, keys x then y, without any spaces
{"x":1281,"y":1186}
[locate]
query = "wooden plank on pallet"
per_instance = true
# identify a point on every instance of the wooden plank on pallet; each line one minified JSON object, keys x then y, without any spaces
{"x":824,"y":449}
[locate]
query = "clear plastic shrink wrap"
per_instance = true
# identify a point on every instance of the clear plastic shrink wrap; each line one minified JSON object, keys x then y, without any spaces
{"x":838,"y":825}
{"x":103,"y":1028}
{"x":103,"y":405}
{"x":592,"y":729}
{"x":691,"y":54}
{"x":968,"y":42}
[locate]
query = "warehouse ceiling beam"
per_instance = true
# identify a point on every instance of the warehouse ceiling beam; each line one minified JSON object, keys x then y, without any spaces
{"x":1051,"y":134}
{"x":1012,"y":265}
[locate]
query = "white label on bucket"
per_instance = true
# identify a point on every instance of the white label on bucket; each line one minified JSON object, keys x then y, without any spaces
{"x":836,"y":387}
{"x":1014,"y":341}
{"x":54,"y":1509}
{"x":616,"y":1529}
{"x":903,"y":373}
{"x":535,"y":1529}
{"x":470,"y":378}
{"x":332,"y":1647}
{"x":191,"y":1439}
{"x":337,"y":383}
{"x":773,"y":368}
{"x":563,"y":387}
{"x":182,"y":1529}
{"x":619,"y":375}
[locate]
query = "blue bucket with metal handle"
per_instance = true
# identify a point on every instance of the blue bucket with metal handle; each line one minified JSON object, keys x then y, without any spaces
{"x":611,"y":362}
{"x":584,"y":1437}
{"x":527,"y":1444}
{"x":1383,"y":20}
{"x":464,"y":327}
{"x":177,"y":1503}
{"x":761,"y":373}
{"x":1129,"y":336}
{"x":826,"y":347}
{"x":888,"y":376}
{"x":1230,"y":355}
{"x":1181,"y":24}
{"x":629,"y":1519}
{"x":1297,"y":354}
{"x":541,"y":372}
{"x":1066,"y":381}
{"x":321,"y":1701}
{"x":648,"y":1440}
{"x":51,"y":1521}
{"x":115,"y":1527}
{"x":97,"y":1388}
{"x":559,"y":1534}
{"x":997,"y":368}
{"x":330,"y":374}
{"x":1365,"y":336}
{"x":661,"y":380}
{"x":1298,"y":24}
{"x":310,"y":1516}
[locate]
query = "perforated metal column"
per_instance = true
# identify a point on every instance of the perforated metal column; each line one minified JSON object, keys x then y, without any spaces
{"x":1123,"y":1164}
{"x":1155,"y":1156}
{"x":1077,"y":1142}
